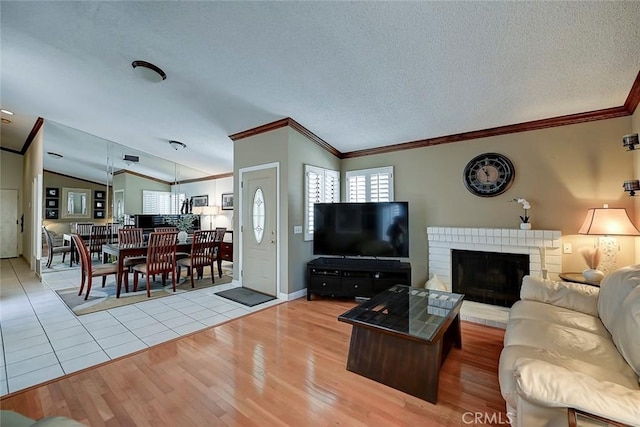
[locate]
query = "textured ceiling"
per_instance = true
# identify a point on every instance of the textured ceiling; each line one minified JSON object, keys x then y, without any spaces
{"x":357,"y":74}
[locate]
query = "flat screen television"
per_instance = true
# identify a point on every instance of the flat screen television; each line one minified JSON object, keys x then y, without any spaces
{"x":361,"y":229}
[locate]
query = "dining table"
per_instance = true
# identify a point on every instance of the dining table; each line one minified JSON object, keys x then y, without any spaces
{"x":122,"y":251}
{"x":68,"y":241}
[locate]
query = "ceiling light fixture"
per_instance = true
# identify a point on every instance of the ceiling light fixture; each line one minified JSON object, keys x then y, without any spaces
{"x":7,"y":112}
{"x":149,"y":71}
{"x":54,"y":155}
{"x":177,"y":145}
{"x":6,"y":121}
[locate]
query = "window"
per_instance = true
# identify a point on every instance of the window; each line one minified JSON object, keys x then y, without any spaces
{"x":258,"y":215}
{"x":321,"y":186}
{"x":370,"y":185}
{"x":161,"y":202}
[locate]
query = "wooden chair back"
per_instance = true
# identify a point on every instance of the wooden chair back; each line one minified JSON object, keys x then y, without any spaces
{"x":49,"y":239}
{"x":161,"y":254}
{"x":203,"y":248}
{"x":166,"y":229}
{"x":83,"y":228}
{"x":113,"y":228}
{"x":83,"y":251}
{"x":128,"y":236}
{"x":97,"y":238}
{"x":220,"y":232}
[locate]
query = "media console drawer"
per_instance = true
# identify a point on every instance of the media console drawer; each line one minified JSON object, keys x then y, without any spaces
{"x":353,"y":278}
{"x":325,"y":284}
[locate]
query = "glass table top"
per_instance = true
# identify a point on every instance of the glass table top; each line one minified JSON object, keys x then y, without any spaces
{"x":416,"y":312}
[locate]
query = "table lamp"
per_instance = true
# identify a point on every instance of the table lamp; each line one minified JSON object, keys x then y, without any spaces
{"x":606,"y":222}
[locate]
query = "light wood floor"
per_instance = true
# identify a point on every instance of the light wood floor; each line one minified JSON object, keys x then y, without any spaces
{"x":281,"y":366}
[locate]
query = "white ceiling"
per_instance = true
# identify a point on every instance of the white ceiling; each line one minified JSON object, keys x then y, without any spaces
{"x":357,"y":74}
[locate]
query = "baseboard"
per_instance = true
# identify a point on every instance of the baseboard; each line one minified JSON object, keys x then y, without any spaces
{"x":294,"y":295}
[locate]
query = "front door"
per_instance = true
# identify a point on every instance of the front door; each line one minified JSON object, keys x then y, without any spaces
{"x":259,"y":233}
{"x":8,"y":223}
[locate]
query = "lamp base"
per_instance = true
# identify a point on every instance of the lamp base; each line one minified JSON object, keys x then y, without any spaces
{"x":592,"y":275}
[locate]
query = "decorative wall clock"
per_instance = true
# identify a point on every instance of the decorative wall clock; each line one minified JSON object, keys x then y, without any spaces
{"x":488,"y":174}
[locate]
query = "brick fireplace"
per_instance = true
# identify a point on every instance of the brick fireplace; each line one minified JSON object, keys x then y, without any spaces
{"x":542,"y":247}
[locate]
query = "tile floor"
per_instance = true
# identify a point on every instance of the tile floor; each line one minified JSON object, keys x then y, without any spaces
{"x":42,"y":339}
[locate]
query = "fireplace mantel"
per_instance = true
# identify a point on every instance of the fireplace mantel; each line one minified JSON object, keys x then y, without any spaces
{"x":542,"y":246}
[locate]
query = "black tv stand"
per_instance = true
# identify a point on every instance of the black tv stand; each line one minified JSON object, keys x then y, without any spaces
{"x":355,"y":277}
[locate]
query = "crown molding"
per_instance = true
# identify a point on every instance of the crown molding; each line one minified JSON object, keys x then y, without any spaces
{"x":607,"y":113}
{"x":34,"y":131}
{"x":288,"y":121}
{"x":10,"y":150}
{"x":207,"y":178}
{"x":634,"y":96}
{"x":629,"y":107}
{"x":121,"y":171}
{"x":75,"y":177}
{"x":260,"y":129}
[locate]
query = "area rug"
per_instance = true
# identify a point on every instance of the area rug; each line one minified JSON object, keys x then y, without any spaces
{"x":105,"y":298}
{"x":245,"y":296}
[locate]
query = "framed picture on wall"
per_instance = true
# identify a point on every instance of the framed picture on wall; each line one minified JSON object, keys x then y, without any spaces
{"x":51,"y":214}
{"x":51,"y":203}
{"x":52,"y":192}
{"x":98,"y":204}
{"x":227,"y":201}
{"x":199,"y":201}
{"x":98,"y":214}
{"x":98,"y":195}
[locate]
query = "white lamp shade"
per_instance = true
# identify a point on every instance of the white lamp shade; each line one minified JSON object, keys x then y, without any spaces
{"x":210,"y":210}
{"x":608,"y":222}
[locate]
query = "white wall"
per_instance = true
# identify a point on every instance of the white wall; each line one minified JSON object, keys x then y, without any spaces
{"x":213,"y":188}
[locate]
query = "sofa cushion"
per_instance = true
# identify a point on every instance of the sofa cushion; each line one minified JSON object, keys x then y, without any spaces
{"x":512,"y":353}
{"x":614,"y":289}
{"x":626,"y":330}
{"x":569,"y":342}
{"x":619,"y":310}
{"x":574,"y":296}
{"x":535,"y":310}
{"x":549,"y":385}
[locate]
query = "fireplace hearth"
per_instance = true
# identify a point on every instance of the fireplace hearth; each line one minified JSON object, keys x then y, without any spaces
{"x":488,"y":277}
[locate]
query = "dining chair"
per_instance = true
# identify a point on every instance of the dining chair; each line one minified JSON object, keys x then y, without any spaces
{"x":203,"y":253}
{"x":88,"y":270}
{"x":97,"y":237}
{"x":161,"y":259}
{"x":220,"y":232}
{"x":83,"y":228}
{"x":131,"y":236}
{"x":166,"y":229}
{"x":54,"y":250}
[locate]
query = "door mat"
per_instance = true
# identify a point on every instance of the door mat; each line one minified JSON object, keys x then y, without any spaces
{"x":105,"y":298}
{"x":245,"y":296}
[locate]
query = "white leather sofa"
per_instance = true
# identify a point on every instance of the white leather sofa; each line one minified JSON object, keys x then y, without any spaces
{"x":569,"y":345}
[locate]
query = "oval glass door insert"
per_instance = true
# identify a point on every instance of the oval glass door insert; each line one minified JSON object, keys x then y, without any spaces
{"x":258,"y":215}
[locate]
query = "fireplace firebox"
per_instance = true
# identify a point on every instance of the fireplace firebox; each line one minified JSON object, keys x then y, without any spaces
{"x":488,"y":277}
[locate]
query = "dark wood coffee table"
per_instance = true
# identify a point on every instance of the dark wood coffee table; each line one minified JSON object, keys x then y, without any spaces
{"x":402,"y":336}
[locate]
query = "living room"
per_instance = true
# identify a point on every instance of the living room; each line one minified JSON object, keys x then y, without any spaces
{"x":565,"y":160}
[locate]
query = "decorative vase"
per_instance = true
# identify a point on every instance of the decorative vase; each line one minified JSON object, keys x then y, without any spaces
{"x":593,"y":275}
{"x":525,"y":226}
{"x":182,"y":236}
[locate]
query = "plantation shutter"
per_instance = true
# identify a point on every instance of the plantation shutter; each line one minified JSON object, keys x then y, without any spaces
{"x":161,"y":202}
{"x":321,"y":186}
{"x":370,"y":185}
